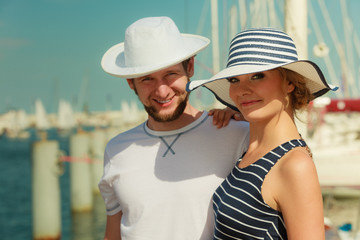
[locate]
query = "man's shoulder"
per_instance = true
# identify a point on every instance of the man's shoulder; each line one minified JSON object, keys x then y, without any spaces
{"x":127,"y":135}
{"x":234,"y":130}
{"x":233,"y":125}
{"x":238,"y":124}
{"x":237,"y":128}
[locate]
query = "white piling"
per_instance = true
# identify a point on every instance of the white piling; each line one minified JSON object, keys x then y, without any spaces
{"x":80,"y":174}
{"x":98,"y":142}
{"x":82,"y":225}
{"x":45,"y":190}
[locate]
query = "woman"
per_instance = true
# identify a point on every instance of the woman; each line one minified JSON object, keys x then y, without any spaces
{"x":273,"y":192}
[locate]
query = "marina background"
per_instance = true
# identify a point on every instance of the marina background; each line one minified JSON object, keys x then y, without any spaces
{"x":51,"y":49}
{"x":51,"y":80}
{"x":16,"y":196}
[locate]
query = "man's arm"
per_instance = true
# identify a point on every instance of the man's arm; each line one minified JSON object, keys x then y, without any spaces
{"x":112,"y":230}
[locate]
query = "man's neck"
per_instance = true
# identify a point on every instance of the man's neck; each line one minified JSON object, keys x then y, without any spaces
{"x":189,"y":115}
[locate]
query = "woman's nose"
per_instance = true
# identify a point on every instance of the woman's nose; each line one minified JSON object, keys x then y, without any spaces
{"x":242,"y":87}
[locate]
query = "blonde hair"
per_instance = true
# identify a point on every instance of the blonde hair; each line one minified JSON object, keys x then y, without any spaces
{"x":300,"y":96}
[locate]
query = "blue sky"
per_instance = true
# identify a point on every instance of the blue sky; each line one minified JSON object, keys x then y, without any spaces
{"x":51,"y":49}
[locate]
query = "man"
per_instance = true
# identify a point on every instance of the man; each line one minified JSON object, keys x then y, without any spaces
{"x":159,"y":177}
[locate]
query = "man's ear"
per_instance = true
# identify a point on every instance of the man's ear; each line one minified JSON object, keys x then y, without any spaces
{"x":130,"y":81}
{"x":190,"y":67}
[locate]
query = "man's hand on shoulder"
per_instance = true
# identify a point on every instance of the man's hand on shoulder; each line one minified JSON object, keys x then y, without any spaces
{"x":221,"y":117}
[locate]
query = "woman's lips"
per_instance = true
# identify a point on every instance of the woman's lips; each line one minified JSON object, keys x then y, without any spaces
{"x":249,"y":103}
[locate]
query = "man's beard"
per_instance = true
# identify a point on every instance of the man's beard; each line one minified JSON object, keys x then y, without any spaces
{"x":168,"y":117}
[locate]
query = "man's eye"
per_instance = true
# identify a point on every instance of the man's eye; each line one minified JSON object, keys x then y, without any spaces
{"x":258,"y":76}
{"x":233,"y":80}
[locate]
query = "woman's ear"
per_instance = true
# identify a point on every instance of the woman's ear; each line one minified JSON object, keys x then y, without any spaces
{"x":290,"y":87}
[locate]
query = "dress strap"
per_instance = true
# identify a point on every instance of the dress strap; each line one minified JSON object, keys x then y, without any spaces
{"x":281,"y":150}
{"x":270,"y":159}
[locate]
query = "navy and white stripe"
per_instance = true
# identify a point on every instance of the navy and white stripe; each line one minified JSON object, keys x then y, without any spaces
{"x":261,"y":46}
{"x":240,"y":211}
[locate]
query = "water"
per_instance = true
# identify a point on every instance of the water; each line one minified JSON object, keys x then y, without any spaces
{"x":16,"y":195}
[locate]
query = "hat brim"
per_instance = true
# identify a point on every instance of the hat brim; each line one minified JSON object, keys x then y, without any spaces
{"x":219,"y":84}
{"x":113,"y":61}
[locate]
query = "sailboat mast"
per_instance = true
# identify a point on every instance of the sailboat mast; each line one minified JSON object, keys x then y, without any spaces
{"x":296,"y":25}
{"x":215,"y":35}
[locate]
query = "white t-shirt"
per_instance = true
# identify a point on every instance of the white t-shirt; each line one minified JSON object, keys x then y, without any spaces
{"x":163,"y":181}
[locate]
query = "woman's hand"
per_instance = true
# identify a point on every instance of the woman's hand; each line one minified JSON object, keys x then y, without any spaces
{"x":221,"y":117}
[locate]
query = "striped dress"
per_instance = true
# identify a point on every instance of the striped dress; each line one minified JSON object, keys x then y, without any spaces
{"x":240,"y":211}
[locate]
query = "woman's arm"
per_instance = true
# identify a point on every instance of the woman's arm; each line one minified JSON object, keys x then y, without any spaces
{"x":300,"y":198}
{"x":221,"y":117}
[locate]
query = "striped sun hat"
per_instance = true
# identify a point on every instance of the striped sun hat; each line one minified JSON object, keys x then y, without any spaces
{"x":258,"y":50}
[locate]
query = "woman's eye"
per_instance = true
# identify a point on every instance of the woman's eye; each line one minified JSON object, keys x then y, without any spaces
{"x":233,"y":80}
{"x":258,"y":76}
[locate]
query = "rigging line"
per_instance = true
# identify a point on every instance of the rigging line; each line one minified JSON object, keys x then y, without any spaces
{"x":357,"y":44}
{"x":253,"y":13}
{"x":203,"y":17}
{"x":330,"y":26}
{"x":332,"y":32}
{"x":260,"y":6}
{"x":225,"y":33}
{"x":265,"y":11}
{"x":317,"y":31}
{"x":215,"y":35}
{"x":200,"y":30}
{"x":204,"y":67}
{"x":348,"y":47}
{"x":242,"y":14}
{"x":274,"y":20}
{"x":233,"y":27}
{"x":256,"y":17}
{"x":327,"y":59}
{"x":347,"y":30}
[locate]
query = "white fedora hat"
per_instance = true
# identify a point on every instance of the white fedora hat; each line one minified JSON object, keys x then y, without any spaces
{"x":151,"y":44}
{"x":259,"y":50}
